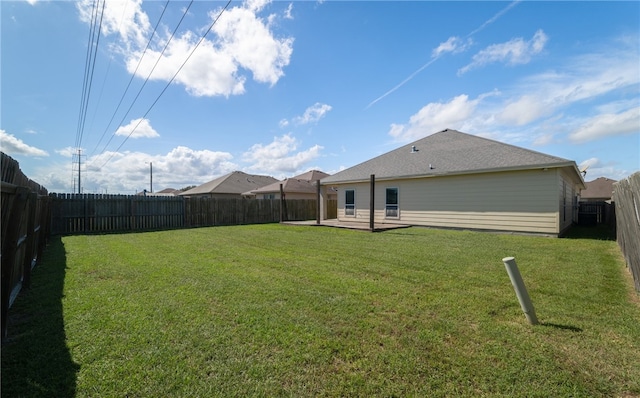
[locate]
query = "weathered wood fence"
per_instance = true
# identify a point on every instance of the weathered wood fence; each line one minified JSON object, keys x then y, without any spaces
{"x":592,"y":213}
{"x":25,"y":229}
{"x":627,"y":199}
{"x":97,"y":213}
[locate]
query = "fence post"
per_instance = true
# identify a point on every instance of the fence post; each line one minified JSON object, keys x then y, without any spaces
{"x":282,"y":204}
{"x":10,"y":248}
{"x":521,"y":289}
{"x":372,"y":202}
{"x":27,"y":261}
{"x":318,"y":203}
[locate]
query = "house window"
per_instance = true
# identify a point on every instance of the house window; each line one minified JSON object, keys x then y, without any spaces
{"x":391,"y":203}
{"x":349,"y":202}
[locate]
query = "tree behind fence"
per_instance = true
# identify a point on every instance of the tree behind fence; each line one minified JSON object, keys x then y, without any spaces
{"x":98,"y":213}
{"x":627,"y":200}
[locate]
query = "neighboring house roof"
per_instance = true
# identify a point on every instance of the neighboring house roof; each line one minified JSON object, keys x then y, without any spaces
{"x":312,"y":175}
{"x":303,"y":183}
{"x":448,"y":152}
{"x":600,"y":188}
{"x":169,"y":190}
{"x":289,"y":185}
{"x":235,"y":182}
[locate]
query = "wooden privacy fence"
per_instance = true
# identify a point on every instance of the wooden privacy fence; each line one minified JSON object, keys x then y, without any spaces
{"x":592,"y":213}
{"x":97,"y":213}
{"x":627,"y":199}
{"x":25,"y":228}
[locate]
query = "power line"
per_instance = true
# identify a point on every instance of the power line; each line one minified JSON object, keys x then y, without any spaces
{"x":87,"y":62}
{"x":170,"y":81}
{"x":145,"y":83}
{"x":132,"y":77}
{"x":90,"y":65}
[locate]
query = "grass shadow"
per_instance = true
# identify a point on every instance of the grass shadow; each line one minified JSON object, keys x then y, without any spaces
{"x":35,"y":359}
{"x":597,"y":232}
{"x":563,"y":327}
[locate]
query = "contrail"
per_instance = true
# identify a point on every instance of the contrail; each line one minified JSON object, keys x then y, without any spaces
{"x":434,"y":59}
{"x":495,"y":17}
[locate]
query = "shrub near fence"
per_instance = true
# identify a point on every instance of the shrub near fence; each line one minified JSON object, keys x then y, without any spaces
{"x":627,"y":198}
{"x":25,"y":229}
{"x":96,"y":213}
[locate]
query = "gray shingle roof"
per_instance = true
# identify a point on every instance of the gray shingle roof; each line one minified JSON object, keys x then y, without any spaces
{"x":235,"y":182}
{"x":448,"y":152}
{"x":289,"y":185}
{"x":312,"y":175}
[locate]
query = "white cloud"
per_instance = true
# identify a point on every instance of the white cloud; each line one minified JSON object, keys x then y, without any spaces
{"x":595,"y":168}
{"x":313,"y":113}
{"x":67,"y":152}
{"x":434,"y":117}
{"x":252,"y":45}
{"x":137,"y":128}
{"x":279,"y":157}
{"x":585,"y":78}
{"x":524,"y":110}
{"x":239,"y":41}
{"x":514,"y":52}
{"x":129,"y":172}
{"x":124,"y":18}
{"x":209,"y":72}
{"x":287,"y":12}
{"x":452,"y":45}
{"x":585,"y":164}
{"x":15,"y":146}
{"x":608,"y":124}
{"x":538,"y":109}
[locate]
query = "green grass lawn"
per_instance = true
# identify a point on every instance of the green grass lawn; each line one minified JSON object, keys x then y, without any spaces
{"x":273,"y":310}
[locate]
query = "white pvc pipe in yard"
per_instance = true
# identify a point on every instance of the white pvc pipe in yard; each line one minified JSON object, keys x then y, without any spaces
{"x":521,"y":290}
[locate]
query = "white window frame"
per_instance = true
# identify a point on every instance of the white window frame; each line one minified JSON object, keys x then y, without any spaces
{"x":350,"y":208}
{"x":391,"y":208}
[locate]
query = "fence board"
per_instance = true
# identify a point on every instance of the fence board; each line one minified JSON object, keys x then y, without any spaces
{"x":97,"y":213}
{"x":24,"y":231}
{"x":627,"y":202}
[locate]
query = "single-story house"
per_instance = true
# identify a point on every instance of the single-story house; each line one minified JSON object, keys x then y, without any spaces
{"x":302,"y":186}
{"x":164,"y":192}
{"x":456,"y":180}
{"x":598,"y":190}
{"x":231,"y":185}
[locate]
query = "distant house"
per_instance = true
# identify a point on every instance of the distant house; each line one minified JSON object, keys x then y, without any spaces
{"x":231,"y":185}
{"x":600,"y":189}
{"x":302,"y":186}
{"x":164,"y":192}
{"x":169,"y":191}
{"x":456,"y":180}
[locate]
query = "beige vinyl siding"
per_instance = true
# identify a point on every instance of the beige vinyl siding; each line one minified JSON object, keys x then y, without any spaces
{"x":566,"y":193}
{"x":287,"y":195}
{"x":522,"y":201}
{"x":361,"y":199}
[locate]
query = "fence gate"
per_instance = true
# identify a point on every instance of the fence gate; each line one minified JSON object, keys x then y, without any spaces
{"x":594,"y":213}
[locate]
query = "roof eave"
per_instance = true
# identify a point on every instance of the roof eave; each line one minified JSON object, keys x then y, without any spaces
{"x":464,"y":172}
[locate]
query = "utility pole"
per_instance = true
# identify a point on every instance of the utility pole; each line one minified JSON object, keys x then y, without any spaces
{"x":151,"y":176}
{"x":79,"y":151}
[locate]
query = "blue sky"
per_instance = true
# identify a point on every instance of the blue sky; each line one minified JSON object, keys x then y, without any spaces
{"x":279,"y":88}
